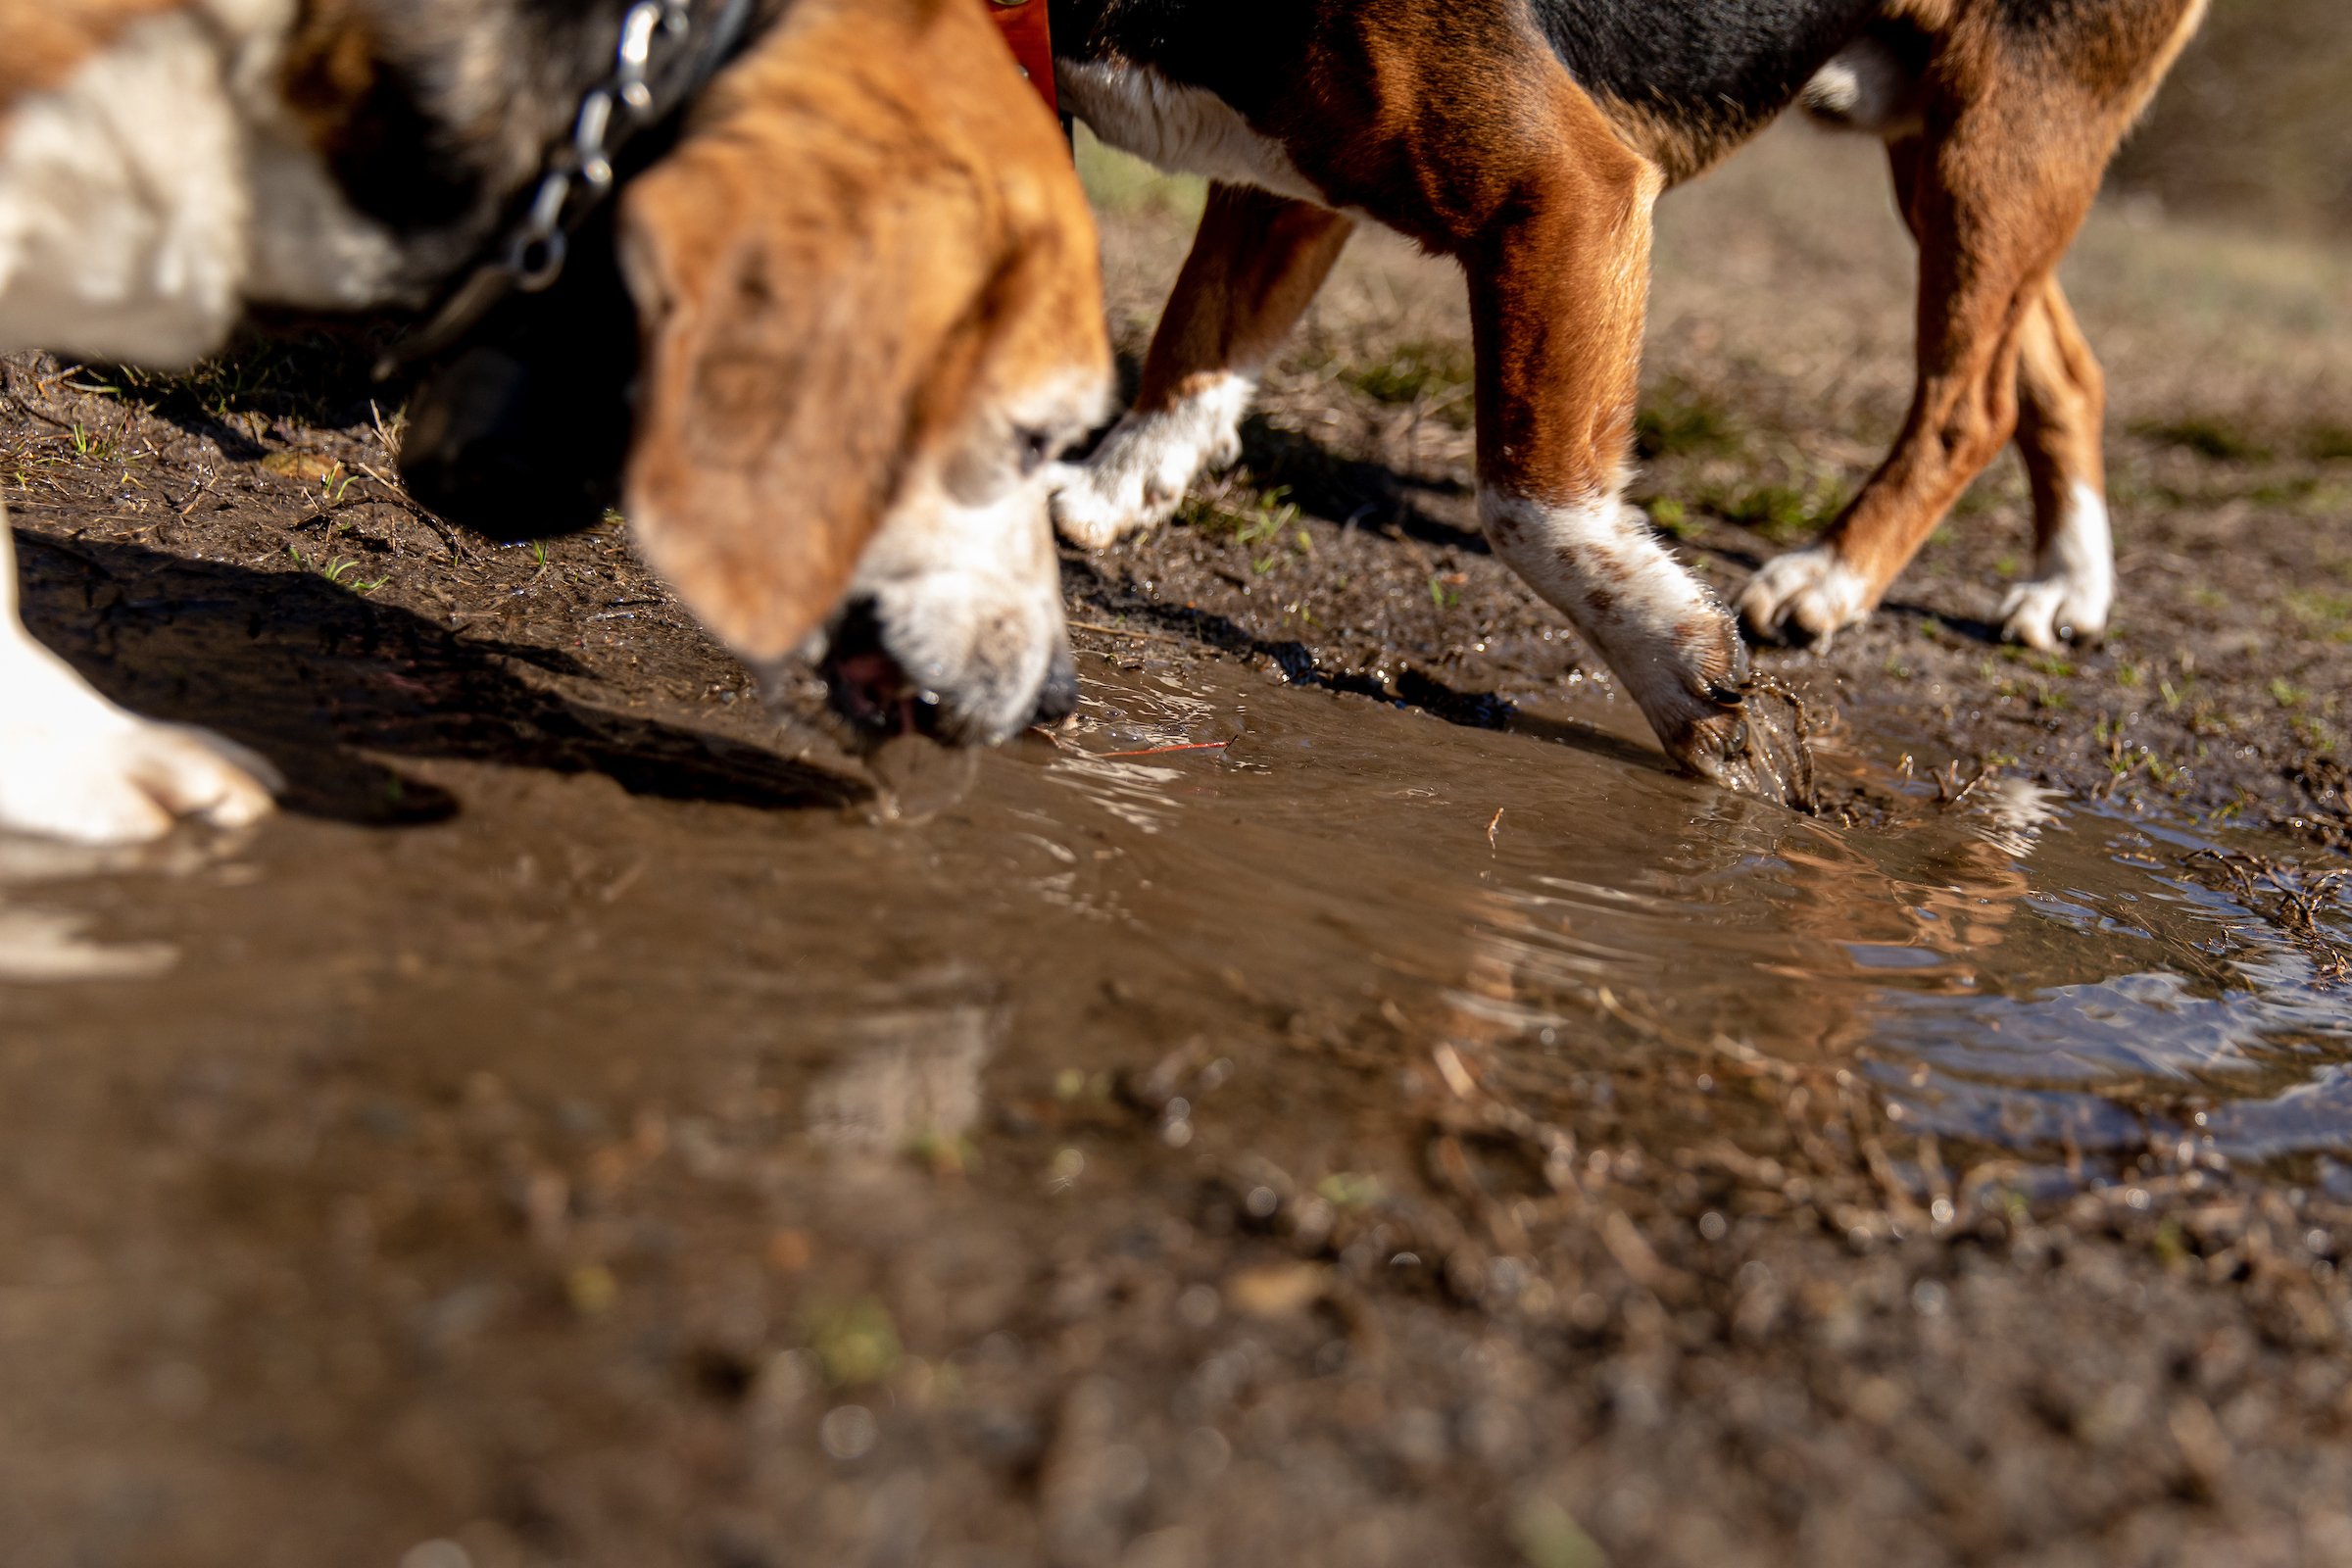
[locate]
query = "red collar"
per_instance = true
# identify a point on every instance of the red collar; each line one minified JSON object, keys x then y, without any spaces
{"x":1028,"y":28}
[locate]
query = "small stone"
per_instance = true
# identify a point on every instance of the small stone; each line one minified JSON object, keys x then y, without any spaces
{"x":1275,"y":1290}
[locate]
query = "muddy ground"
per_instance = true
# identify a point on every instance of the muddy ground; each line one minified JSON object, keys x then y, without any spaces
{"x":585,"y":1129}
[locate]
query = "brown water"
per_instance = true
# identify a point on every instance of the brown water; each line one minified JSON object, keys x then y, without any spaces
{"x":542,"y":1175}
{"x":2016,"y":970}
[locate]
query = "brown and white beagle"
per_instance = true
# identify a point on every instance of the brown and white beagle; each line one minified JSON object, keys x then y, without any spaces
{"x":860,"y":273}
{"x":1528,"y":139}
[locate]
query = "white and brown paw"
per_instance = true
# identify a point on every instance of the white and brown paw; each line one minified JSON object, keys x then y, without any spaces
{"x":1138,"y":476}
{"x":1665,"y":636}
{"x":2072,"y":591}
{"x":1805,"y":596}
{"x":1729,"y":725}
{"x":2050,"y":613}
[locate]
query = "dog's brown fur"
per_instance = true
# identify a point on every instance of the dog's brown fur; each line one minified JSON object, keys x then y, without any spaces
{"x":967,"y":280}
{"x":864,"y":268}
{"x":1994,"y":186}
{"x":46,"y":43}
{"x":1462,"y":127}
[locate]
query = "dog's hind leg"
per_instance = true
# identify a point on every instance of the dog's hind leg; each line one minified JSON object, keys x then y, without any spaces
{"x":1992,"y":211}
{"x":2060,"y":415}
{"x":2026,"y":107}
{"x":1558,"y":289}
{"x":1254,"y":268}
{"x":2062,"y":401}
{"x":2061,"y":411}
{"x":74,"y":766}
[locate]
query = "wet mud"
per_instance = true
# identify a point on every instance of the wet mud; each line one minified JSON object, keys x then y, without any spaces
{"x":1343,"y":1098}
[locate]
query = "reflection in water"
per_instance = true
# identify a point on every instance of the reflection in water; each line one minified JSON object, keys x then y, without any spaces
{"x":910,"y":1080}
{"x":2006,"y":969}
{"x":2009,"y":969}
{"x":42,"y":944}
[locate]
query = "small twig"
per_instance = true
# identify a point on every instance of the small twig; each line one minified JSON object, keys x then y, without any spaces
{"x":1159,"y":751}
{"x":399,"y":496}
{"x":1950,"y":792}
{"x":384,"y":435}
{"x":1125,"y":631}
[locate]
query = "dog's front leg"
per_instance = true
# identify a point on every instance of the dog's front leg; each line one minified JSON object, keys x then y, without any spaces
{"x":1254,"y":268}
{"x":1559,"y":290}
{"x":74,"y":766}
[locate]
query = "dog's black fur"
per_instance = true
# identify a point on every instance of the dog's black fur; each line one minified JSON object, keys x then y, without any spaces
{"x":1728,"y":64}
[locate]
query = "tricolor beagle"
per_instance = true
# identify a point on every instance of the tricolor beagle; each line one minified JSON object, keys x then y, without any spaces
{"x":865,"y":304}
{"x":1529,"y":139}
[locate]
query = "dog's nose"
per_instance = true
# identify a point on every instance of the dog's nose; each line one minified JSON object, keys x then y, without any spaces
{"x":1057,"y":699}
{"x":511,"y":452}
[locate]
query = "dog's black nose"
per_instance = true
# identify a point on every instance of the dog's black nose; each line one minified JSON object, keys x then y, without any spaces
{"x":1057,"y":699}
{"x":500,"y":446}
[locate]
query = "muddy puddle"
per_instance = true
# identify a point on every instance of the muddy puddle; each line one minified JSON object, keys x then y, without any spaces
{"x":597,"y":1178}
{"x":1207,"y":862}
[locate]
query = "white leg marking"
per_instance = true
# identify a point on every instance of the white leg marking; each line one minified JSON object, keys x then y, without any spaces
{"x":1807,"y":592}
{"x":1664,"y":635}
{"x":2071,"y":590}
{"x":1138,"y":474}
{"x":74,"y":766}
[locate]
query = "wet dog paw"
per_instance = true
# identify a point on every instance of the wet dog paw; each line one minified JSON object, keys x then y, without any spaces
{"x":1761,"y":746}
{"x":2049,"y":613}
{"x":74,"y":766}
{"x":1734,"y":726}
{"x":129,"y":781}
{"x":1805,"y":596}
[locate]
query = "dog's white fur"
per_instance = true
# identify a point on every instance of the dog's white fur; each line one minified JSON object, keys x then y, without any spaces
{"x":963,"y":574}
{"x":144,"y":203}
{"x":1137,"y":475}
{"x":1865,"y":87}
{"x":1598,"y":562}
{"x":1184,"y":131}
{"x":1810,"y":589}
{"x":122,"y":227}
{"x":2072,"y":591}
{"x":74,"y":766}
{"x":2067,"y":600}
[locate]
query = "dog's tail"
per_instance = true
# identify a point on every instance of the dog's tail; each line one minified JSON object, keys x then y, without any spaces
{"x":1873,"y":86}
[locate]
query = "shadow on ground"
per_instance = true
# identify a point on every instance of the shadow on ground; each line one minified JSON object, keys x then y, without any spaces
{"x":323,"y":681}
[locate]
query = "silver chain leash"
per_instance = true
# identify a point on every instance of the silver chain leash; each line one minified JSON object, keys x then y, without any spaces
{"x":535,"y":253}
{"x":653,"y":71}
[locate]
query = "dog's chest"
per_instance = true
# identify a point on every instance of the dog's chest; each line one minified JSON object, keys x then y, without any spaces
{"x":1183,"y":130}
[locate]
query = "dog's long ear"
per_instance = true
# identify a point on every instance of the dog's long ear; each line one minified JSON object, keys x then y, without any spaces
{"x":805,"y":267}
